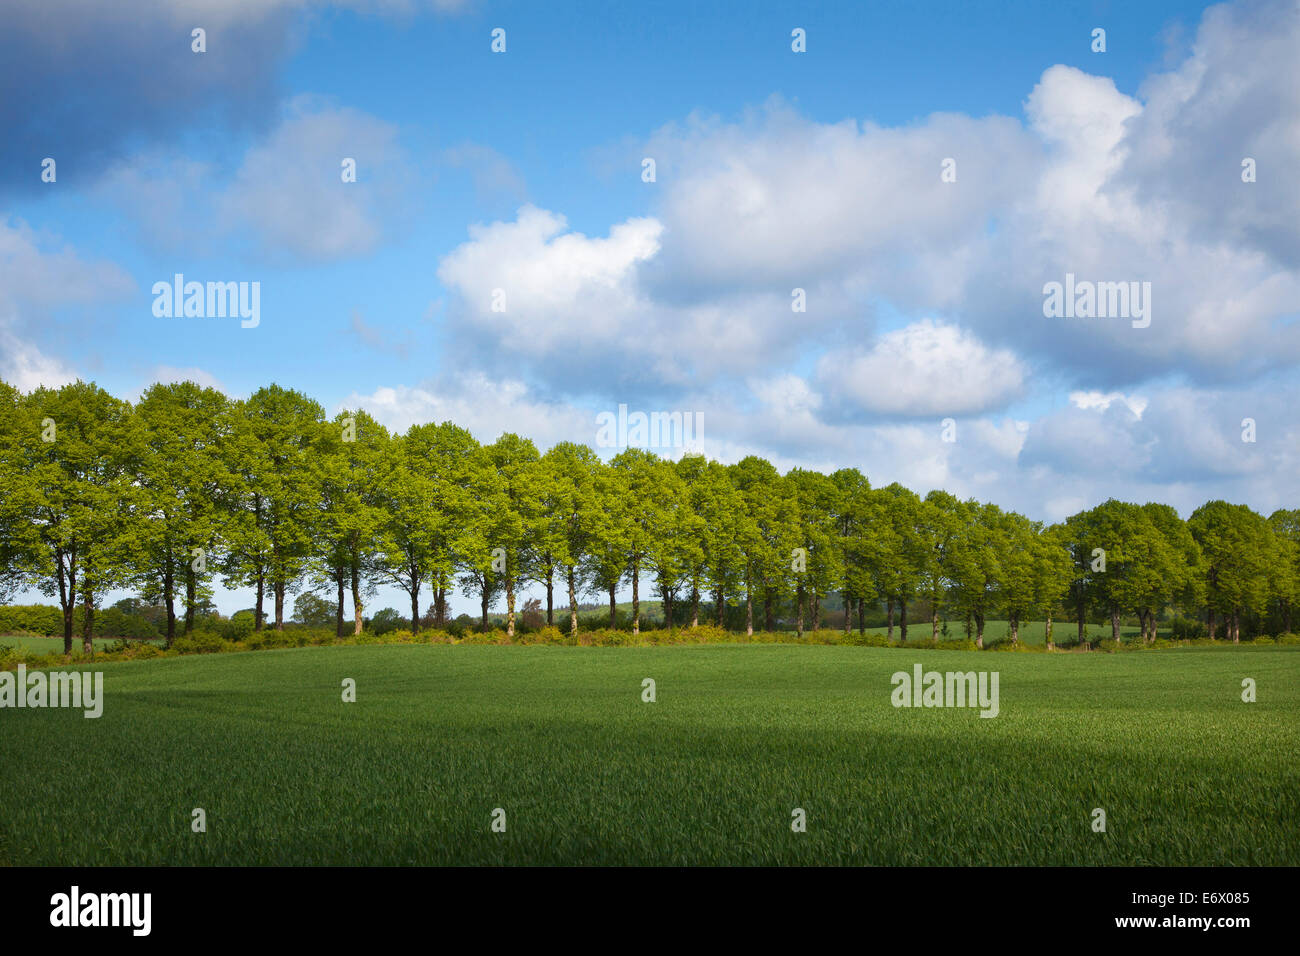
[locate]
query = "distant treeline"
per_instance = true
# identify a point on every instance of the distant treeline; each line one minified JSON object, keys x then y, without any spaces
{"x":187,"y":487}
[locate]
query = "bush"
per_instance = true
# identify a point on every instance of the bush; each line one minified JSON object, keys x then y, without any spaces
{"x":459,"y":627}
{"x":1186,"y":629}
{"x":1263,"y":639}
{"x":200,"y":642}
{"x":37,"y":619}
{"x":238,"y":628}
{"x":1288,"y":638}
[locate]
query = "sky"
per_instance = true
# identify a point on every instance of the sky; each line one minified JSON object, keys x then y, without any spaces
{"x":921,"y":171}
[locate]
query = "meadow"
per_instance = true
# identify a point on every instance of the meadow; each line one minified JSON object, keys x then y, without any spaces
{"x":588,"y":773}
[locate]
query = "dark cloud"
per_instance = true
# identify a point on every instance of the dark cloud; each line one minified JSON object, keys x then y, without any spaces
{"x":87,"y":82}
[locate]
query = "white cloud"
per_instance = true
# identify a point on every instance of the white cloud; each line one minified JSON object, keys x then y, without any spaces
{"x":927,"y":368}
{"x":38,"y":278}
{"x":290,"y":191}
{"x":1102,"y":400}
{"x":486,"y":406}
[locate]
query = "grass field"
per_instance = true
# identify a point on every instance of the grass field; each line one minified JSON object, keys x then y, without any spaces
{"x":587,"y":773}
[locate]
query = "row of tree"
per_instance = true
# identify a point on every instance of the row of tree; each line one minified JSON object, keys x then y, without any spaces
{"x":186,"y":486}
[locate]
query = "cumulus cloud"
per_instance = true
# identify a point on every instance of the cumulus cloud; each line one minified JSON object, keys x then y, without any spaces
{"x":927,"y":368}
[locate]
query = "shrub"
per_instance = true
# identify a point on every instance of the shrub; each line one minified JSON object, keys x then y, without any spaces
{"x":200,"y":642}
{"x":142,"y":651}
{"x":1186,"y":629}
{"x":238,"y":628}
{"x":1288,"y":638}
{"x":459,"y":627}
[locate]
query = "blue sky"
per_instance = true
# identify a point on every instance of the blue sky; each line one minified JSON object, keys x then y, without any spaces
{"x":775,"y":170}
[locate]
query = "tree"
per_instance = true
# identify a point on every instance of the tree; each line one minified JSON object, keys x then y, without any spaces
{"x":313,"y":610}
{"x":1285,"y":525}
{"x":81,"y":496}
{"x":23,"y":554}
{"x":646,"y":517}
{"x":1238,"y":546}
{"x":904,"y":552}
{"x":573,"y":518}
{"x":351,"y":459}
{"x":184,"y":484}
{"x":822,"y":533}
{"x":1054,"y":573}
{"x":514,"y":521}
{"x":976,"y":564}
{"x":940,"y":518}
{"x":767,"y":532}
{"x":283,"y":430}
{"x":1178,"y":573}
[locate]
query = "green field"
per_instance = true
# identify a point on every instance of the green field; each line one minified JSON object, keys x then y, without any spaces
{"x":587,"y":773}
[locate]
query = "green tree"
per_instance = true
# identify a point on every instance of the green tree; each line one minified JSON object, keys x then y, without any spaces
{"x":82,"y":466}
{"x":1237,"y":545}
{"x":184,"y":482}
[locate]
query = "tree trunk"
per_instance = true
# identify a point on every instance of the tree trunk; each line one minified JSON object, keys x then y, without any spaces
{"x":749,"y":607}
{"x":357,"y":606}
{"x":191,"y":598}
{"x":510,"y":606}
{"x":979,"y":630}
{"x":799,"y":616}
{"x":1114,"y":624}
{"x":816,"y":611}
{"x":1015,"y":629}
{"x":848,"y":612}
{"x":1210,"y":623}
{"x":889,"y":619}
{"x":550,"y":596}
{"x":440,"y":606}
{"x":261,"y":595}
{"x":169,"y":600}
{"x":934,"y":622}
{"x":67,"y":599}
{"x":720,"y":607}
{"x":88,"y":622}
{"x":1083,"y":622}
{"x":695,"y":604}
{"x":902,"y":621}
{"x":415,"y":607}
{"x":483,"y":607}
{"x":279,"y":605}
{"x":573,"y":603}
{"x":1050,"y":645}
{"x":613,"y":608}
{"x":862,"y":615}
{"x":1236,"y":626}
{"x":636,"y":595}
{"x":338,"y":615}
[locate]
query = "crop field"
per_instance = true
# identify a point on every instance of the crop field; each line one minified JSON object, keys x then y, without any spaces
{"x":586,"y":772}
